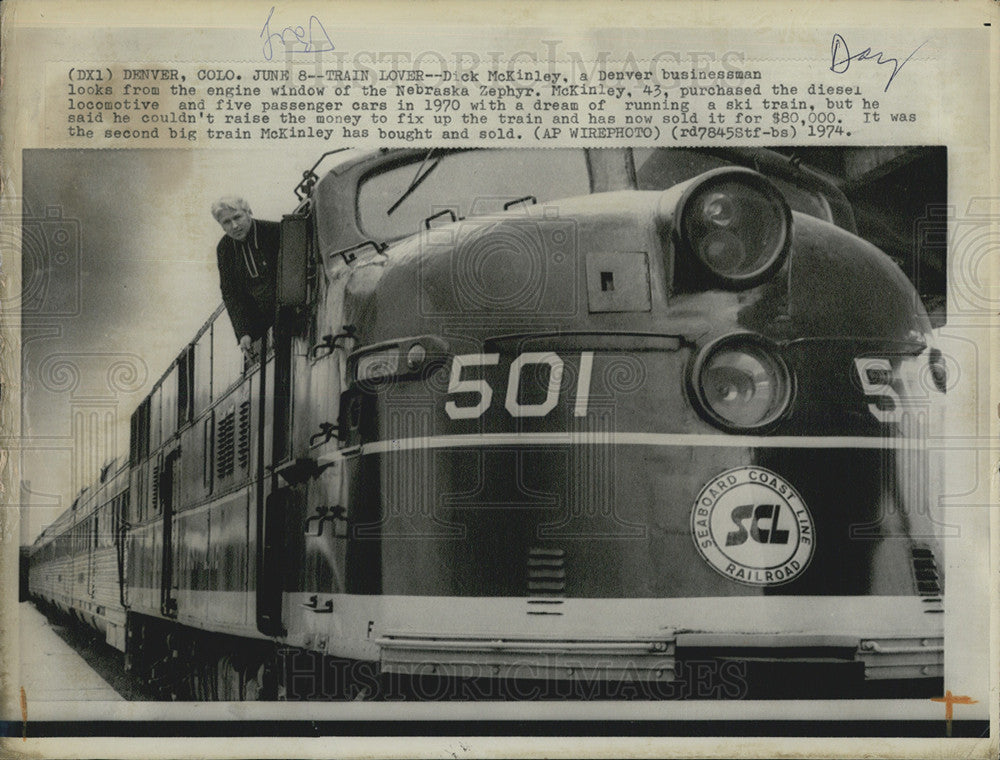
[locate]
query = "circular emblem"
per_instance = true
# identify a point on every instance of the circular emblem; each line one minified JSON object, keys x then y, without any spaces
{"x":751,"y":526}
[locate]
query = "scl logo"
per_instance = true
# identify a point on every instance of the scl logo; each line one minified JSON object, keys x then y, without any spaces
{"x":774,"y":535}
{"x":769,"y":535}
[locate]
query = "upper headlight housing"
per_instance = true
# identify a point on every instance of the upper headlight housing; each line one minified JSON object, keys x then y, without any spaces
{"x":735,"y":226}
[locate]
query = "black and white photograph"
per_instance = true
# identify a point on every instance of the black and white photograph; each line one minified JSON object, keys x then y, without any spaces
{"x":627,"y":400}
{"x":521,"y":424}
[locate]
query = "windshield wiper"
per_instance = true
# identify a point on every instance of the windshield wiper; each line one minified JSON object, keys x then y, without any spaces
{"x":418,"y":179}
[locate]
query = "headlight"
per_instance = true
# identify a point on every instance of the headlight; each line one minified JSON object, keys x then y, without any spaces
{"x":741,"y":383}
{"x":736,"y":226}
{"x":403,"y":359}
{"x":378,"y":365}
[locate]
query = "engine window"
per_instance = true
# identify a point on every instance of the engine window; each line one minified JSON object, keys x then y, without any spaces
{"x":394,"y":203}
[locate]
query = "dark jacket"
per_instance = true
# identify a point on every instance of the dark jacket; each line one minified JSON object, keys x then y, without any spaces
{"x":247,"y":271}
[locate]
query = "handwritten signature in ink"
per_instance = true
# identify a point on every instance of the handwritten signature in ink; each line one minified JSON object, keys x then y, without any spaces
{"x":296,"y":39}
{"x":841,"y":58}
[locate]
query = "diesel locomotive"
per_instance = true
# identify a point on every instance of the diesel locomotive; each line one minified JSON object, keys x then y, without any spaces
{"x":536,"y":417}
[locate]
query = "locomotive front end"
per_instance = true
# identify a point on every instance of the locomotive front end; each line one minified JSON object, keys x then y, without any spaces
{"x":616,"y":437}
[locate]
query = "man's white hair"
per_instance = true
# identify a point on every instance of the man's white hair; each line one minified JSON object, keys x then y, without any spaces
{"x":230,"y":203}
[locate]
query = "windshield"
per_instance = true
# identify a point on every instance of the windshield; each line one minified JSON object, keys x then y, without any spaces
{"x":394,"y":203}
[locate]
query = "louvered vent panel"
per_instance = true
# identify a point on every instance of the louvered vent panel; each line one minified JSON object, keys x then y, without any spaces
{"x":243,"y":447}
{"x":546,"y":571}
{"x":925,"y":571}
{"x":225,"y":446}
{"x":156,"y":486}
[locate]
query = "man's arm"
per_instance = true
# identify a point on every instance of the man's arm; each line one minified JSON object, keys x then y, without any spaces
{"x":234,"y":296}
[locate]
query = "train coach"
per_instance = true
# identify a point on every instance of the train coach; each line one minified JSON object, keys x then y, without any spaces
{"x":76,"y":565}
{"x":548,"y":417}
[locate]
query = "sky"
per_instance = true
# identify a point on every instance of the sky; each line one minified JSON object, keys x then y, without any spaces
{"x":119,"y":273}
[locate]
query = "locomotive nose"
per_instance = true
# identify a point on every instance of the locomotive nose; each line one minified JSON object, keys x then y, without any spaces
{"x":729,"y":228}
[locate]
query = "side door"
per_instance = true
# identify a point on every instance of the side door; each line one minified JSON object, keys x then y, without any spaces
{"x":310,"y":341}
{"x":167,"y":491}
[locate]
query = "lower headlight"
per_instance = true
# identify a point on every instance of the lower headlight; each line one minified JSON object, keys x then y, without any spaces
{"x":741,"y":383}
